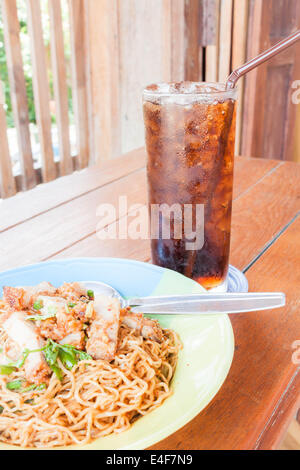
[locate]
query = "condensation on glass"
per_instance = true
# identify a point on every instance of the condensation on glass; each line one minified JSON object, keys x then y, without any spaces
{"x":190,"y":139}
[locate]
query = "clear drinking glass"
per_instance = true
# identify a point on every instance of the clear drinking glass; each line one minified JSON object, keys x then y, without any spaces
{"x":190,"y":140}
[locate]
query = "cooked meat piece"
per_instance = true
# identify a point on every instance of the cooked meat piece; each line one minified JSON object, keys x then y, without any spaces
{"x":22,"y":298}
{"x":134,"y":321}
{"x":25,"y":334}
{"x":65,"y":324}
{"x":152,"y":330}
{"x":74,"y":339}
{"x":103,"y":333}
{"x":11,"y":350}
{"x":72,"y":291}
{"x":143,"y":326}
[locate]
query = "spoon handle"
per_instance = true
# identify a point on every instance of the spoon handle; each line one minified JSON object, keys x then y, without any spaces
{"x":208,"y":303}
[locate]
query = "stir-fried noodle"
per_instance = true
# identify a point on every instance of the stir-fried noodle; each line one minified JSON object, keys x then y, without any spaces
{"x":96,"y":398}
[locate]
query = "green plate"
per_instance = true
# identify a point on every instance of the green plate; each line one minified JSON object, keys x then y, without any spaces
{"x":208,"y":342}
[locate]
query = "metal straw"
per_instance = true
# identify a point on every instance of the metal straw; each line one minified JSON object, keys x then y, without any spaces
{"x":260,"y":59}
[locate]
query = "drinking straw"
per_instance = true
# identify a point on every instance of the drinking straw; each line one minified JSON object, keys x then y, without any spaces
{"x":260,"y":59}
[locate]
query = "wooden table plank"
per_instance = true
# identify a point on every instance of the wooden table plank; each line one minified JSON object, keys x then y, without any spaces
{"x":248,"y":171}
{"x":253,"y":399}
{"x":277,"y":270}
{"x":59,"y":228}
{"x":93,"y":247}
{"x":26,"y":205}
{"x":263,"y":211}
{"x":244,"y":411}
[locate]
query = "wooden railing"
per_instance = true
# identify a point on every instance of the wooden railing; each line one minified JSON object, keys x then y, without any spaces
{"x":49,"y":168}
{"x":117,"y":47}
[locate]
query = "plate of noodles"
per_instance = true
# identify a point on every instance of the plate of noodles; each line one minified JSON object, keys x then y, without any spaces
{"x":79,"y":372}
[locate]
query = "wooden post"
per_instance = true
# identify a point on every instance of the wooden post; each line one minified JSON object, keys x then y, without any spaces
{"x":41,"y":89}
{"x":18,"y":90}
{"x":60,"y":86}
{"x":7,"y":182}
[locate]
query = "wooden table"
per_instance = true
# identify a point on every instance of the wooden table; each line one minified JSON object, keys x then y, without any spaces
{"x":261,"y":393}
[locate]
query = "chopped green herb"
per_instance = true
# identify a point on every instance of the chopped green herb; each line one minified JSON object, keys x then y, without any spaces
{"x":17,"y":385}
{"x":13,"y":366}
{"x":20,"y":362}
{"x":71,"y":305}
{"x":29,"y":402}
{"x":67,"y":354}
{"x":14,"y":385}
{"x":38,"y":305}
{"x":68,"y":358}
{"x":52,"y":310}
{"x":83,"y":356}
{"x":51,"y":352}
{"x":57,"y":371}
{"x":38,"y":388}
{"x":7,"y":370}
{"x":91,"y":294}
{"x":41,"y":317}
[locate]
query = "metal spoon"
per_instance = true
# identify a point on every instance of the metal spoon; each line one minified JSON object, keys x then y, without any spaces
{"x":200,"y":304}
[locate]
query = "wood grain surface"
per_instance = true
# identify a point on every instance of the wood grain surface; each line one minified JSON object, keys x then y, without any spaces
{"x":261,"y":393}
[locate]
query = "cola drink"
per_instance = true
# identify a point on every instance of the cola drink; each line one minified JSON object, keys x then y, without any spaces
{"x":190,"y":141}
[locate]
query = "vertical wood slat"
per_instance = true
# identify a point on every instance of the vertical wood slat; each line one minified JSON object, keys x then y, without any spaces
{"x":177,"y":40}
{"x":18,"y":90}
{"x":193,"y":51}
{"x":268,"y":88}
{"x":225,"y":39}
{"x":254,"y":35}
{"x":7,"y":182}
{"x":103,"y":25}
{"x":166,"y":37}
{"x":211,"y":40}
{"x":77,"y":9}
{"x":239,"y":55}
{"x":41,"y":89}
{"x":60,"y":86}
{"x":291,"y":137}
